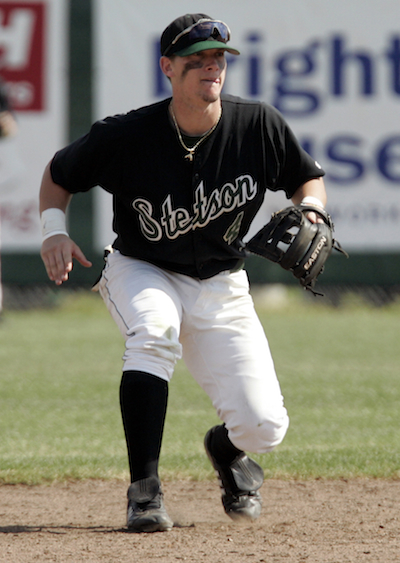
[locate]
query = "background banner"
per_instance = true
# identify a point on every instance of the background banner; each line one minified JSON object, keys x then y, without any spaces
{"x":331,"y":68}
{"x":33,"y":63}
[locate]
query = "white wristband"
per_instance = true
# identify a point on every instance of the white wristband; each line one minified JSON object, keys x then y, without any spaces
{"x":311,"y":200}
{"x":53,"y":223}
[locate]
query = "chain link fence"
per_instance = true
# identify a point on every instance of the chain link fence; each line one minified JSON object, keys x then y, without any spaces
{"x":271,"y":295}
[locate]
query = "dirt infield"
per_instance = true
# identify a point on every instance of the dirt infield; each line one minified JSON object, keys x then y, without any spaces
{"x":312,"y":521}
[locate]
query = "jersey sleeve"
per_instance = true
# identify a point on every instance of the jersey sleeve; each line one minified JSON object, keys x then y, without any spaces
{"x":90,"y":160}
{"x":294,"y":165}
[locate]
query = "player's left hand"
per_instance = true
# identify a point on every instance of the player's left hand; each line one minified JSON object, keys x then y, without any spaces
{"x":58,"y":253}
{"x":303,"y":250}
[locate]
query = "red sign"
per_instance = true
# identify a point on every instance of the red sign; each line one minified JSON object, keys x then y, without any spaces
{"x":22,"y":49}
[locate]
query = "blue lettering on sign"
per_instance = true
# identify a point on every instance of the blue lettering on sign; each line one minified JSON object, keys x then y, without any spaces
{"x":161,"y":86}
{"x":342,"y":59}
{"x":302,"y":81}
{"x":393,"y":55}
{"x":291,"y":97}
{"x":389,"y":159}
{"x":255,"y":66}
{"x":347,"y":160}
{"x":340,"y":150}
{"x":306,"y":78}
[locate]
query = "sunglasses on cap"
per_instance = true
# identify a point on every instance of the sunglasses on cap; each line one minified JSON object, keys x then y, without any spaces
{"x":203,"y":30}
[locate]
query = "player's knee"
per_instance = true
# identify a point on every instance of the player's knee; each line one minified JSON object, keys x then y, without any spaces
{"x":155,"y":353}
{"x":271,"y":434}
{"x":261,"y":436}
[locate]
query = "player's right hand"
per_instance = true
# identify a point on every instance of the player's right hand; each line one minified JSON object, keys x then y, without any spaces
{"x":57,"y":254}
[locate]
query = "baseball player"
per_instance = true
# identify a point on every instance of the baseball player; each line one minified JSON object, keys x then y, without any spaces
{"x":188,"y":175}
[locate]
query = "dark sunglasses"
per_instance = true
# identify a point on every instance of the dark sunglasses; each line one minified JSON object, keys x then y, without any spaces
{"x":204,"y":29}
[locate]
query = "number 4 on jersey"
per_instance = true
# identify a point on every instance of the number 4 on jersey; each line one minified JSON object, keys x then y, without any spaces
{"x":233,"y":231}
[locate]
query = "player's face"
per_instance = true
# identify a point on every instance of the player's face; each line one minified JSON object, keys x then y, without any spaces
{"x":201,"y":75}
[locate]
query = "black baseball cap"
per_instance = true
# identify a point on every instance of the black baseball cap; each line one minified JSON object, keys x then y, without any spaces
{"x":193,"y":33}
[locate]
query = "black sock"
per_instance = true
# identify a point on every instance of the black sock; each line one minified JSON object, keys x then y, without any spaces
{"x":222,"y":448}
{"x":143,"y":400}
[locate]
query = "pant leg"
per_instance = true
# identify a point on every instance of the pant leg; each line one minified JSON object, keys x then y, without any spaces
{"x":226,"y":350}
{"x":147,"y":310}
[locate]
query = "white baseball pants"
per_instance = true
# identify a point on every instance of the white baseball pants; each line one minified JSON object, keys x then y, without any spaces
{"x":213,"y":325}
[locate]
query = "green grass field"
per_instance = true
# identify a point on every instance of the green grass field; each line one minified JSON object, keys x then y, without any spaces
{"x":60,"y":370}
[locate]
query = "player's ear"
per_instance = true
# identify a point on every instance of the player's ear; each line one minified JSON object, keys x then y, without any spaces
{"x":167,"y":66}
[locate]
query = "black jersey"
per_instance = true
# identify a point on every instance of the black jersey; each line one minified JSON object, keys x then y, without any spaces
{"x":187,"y":217}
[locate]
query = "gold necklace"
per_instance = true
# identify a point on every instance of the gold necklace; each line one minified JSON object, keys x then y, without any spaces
{"x":192,"y":150}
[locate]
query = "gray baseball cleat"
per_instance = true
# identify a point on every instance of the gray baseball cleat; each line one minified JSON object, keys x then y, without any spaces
{"x":146,"y":511}
{"x":239,"y":483}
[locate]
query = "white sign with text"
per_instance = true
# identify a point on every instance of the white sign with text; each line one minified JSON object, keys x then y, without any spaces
{"x":331,"y":68}
{"x":33,"y":51}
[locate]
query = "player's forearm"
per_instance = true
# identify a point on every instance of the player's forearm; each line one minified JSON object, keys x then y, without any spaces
{"x":314,"y":188}
{"x":51,"y":194}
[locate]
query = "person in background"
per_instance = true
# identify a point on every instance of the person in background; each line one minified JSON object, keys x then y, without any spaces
{"x":8,"y":129}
